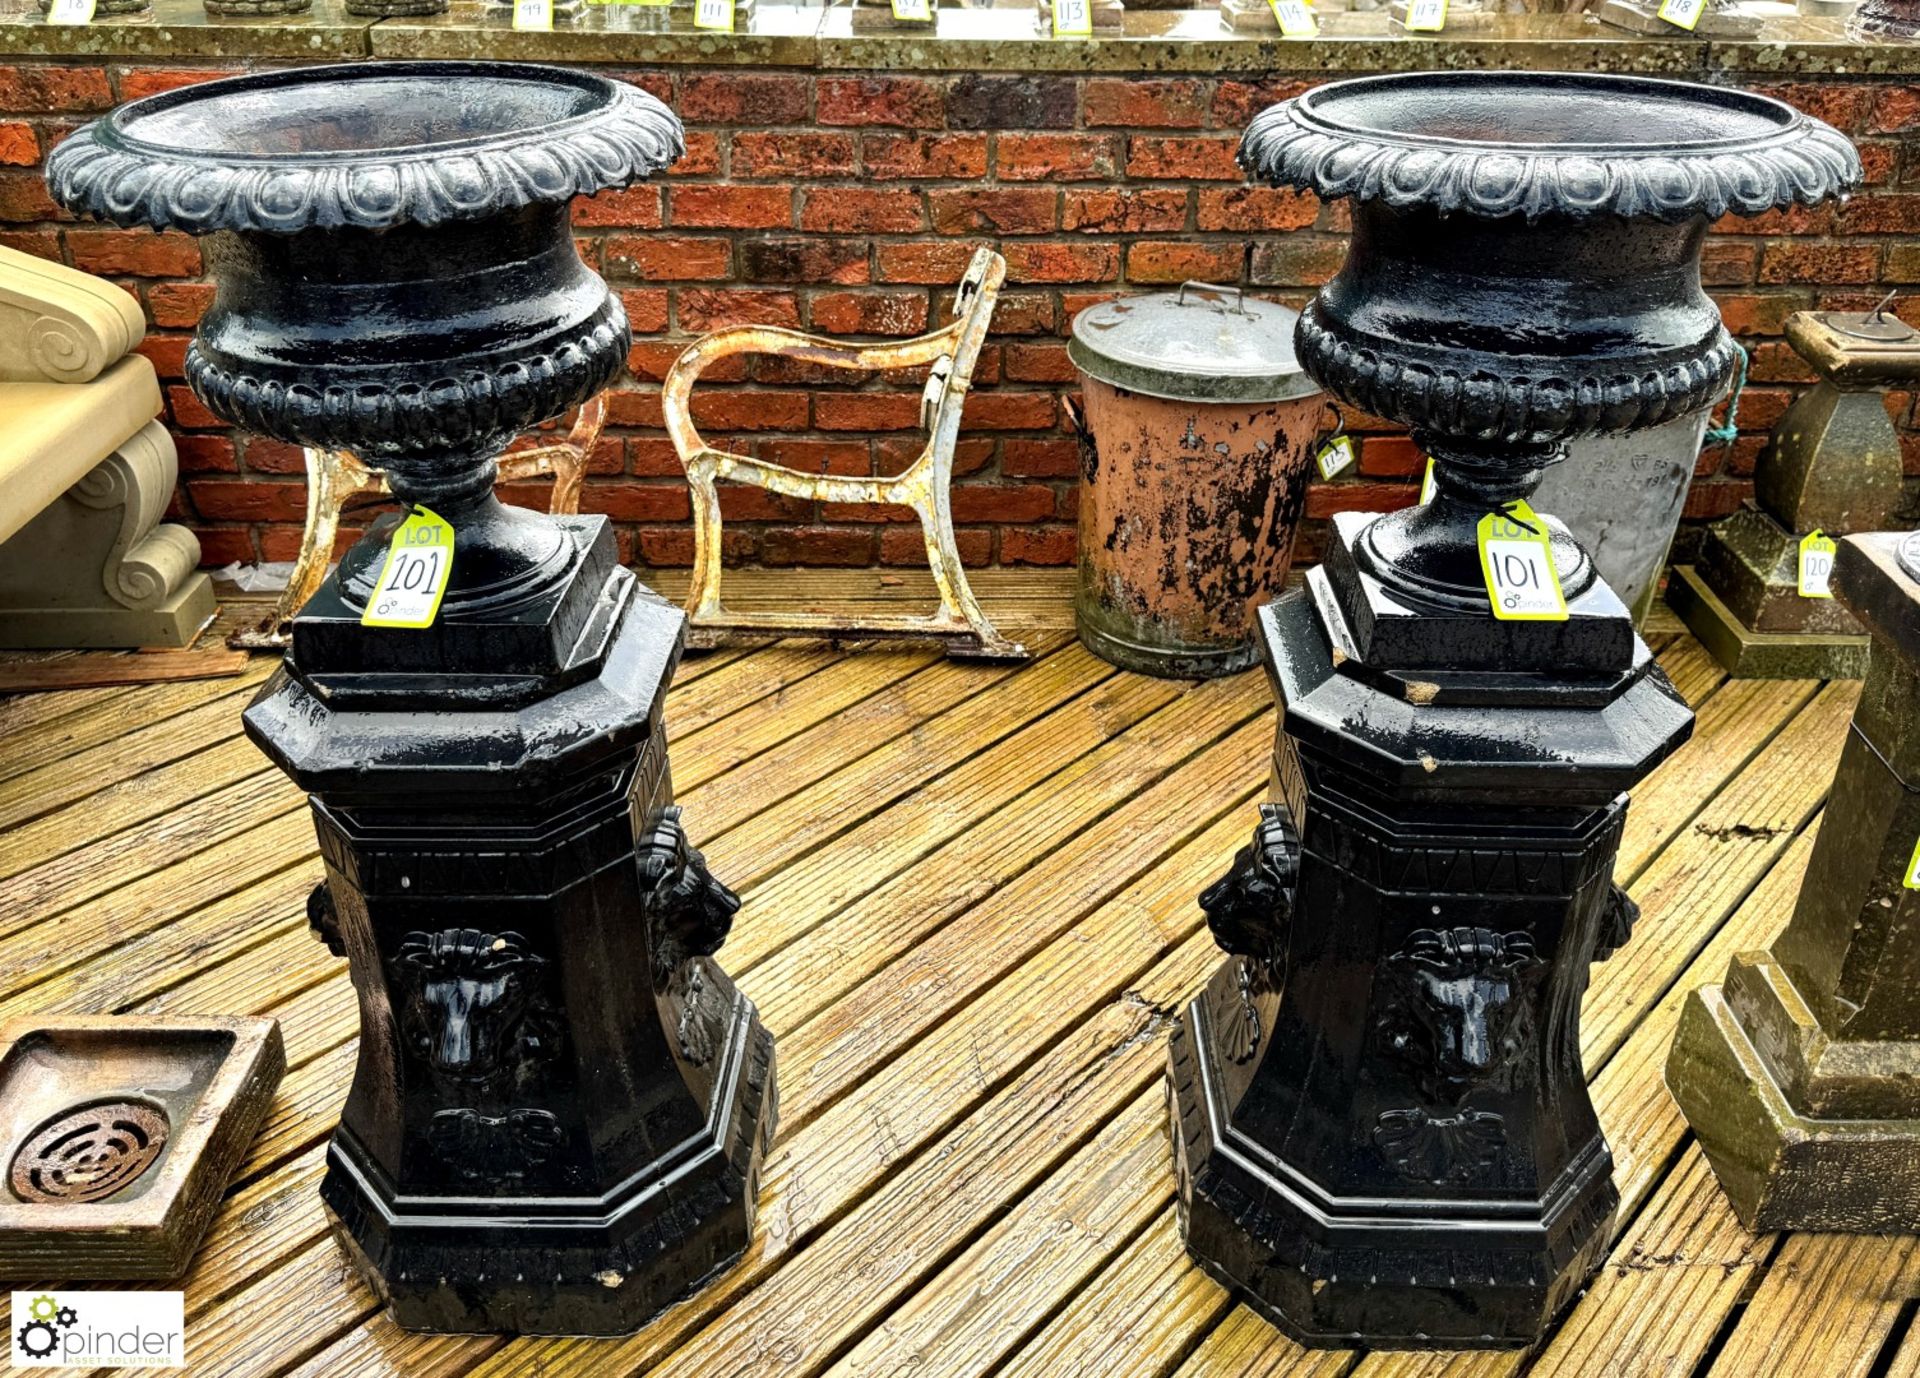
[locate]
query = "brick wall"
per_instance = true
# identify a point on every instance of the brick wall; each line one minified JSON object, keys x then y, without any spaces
{"x":849,"y":203}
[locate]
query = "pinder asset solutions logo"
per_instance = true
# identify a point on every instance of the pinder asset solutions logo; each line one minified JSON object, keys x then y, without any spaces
{"x":99,"y":1329}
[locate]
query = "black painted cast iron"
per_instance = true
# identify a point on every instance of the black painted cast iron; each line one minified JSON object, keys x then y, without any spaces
{"x":560,"y":1106}
{"x":1382,"y":1130}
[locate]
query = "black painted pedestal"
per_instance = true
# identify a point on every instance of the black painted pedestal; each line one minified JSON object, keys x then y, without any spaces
{"x":561,"y":1103}
{"x":1382,"y":1128}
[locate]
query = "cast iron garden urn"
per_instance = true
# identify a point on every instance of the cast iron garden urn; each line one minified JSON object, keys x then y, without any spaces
{"x":1382,"y":1131}
{"x":560,"y":1106}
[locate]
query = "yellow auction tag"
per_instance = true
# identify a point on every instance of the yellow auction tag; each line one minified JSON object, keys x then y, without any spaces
{"x":713,"y":14}
{"x":1682,"y":14}
{"x":1912,"y":878}
{"x":1517,"y":558}
{"x":913,"y":11}
{"x":1336,"y":456}
{"x":1427,"y":485}
{"x":1816,"y":565}
{"x":414,"y":578}
{"x":1426,"y":16}
{"x":533,"y":14}
{"x":70,"y":12}
{"x":1072,"y":18}
{"x":1295,"y":18}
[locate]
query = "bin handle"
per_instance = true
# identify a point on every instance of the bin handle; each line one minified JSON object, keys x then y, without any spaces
{"x":1239,"y":294}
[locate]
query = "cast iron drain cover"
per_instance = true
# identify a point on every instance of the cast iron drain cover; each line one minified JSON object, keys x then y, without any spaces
{"x":89,"y":1153}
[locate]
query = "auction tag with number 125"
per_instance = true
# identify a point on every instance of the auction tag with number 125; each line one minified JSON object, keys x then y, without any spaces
{"x":1517,"y":558}
{"x":414,"y":578}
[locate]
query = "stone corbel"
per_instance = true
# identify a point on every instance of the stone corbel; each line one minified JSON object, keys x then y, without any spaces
{"x":59,"y":325}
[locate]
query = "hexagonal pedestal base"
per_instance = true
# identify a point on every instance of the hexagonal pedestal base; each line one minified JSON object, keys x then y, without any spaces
{"x":570,"y":1265}
{"x":1783,"y":1170}
{"x":1747,"y":654}
{"x":1392,"y":1274}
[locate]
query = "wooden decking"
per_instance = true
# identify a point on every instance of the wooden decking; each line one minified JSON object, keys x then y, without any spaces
{"x":969,"y":917}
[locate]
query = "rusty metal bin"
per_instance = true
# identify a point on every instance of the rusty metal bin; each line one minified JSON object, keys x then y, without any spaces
{"x":1196,"y":441}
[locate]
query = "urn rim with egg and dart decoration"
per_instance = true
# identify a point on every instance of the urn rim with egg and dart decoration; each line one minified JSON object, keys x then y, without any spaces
{"x":561,"y":1102}
{"x":1382,"y":1131}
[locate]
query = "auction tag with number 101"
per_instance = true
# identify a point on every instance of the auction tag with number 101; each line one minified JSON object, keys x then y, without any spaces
{"x":414,"y":578}
{"x":1517,"y":558}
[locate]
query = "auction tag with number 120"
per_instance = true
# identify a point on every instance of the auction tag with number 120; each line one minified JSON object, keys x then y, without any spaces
{"x":1517,"y":558}
{"x":414,"y":578}
{"x":1816,"y":565}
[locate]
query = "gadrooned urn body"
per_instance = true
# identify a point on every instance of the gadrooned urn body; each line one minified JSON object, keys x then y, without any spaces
{"x":1524,"y":270}
{"x":395,"y":274}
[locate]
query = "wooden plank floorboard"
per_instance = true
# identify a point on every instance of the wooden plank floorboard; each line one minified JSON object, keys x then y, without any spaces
{"x":969,"y":918}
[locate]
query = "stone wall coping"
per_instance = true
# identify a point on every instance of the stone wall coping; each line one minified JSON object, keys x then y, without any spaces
{"x":810,"y":37}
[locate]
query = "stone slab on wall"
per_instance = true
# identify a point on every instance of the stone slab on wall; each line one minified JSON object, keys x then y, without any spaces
{"x":828,"y":189}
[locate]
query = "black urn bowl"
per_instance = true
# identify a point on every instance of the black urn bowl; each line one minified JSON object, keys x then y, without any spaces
{"x":1524,"y":270}
{"x":561,"y":1102}
{"x":1383,"y":1133}
{"x":395,"y":274}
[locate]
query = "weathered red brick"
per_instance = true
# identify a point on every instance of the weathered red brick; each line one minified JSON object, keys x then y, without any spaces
{"x":1806,"y":220}
{"x":1787,"y":261}
{"x":751,"y":98}
{"x":1706,"y":501}
{"x":631,"y":208}
{"x":47,"y":90}
{"x":257,"y":500}
{"x":906,"y":546}
{"x":1235,"y":103}
{"x":995,"y":102}
{"x":1183,"y":159}
{"x":844,"y":457}
{"x":837,"y":259}
{"x":931,"y":261}
{"x":980,"y":502}
{"x":1063,"y":262}
{"x":1842,"y":106}
{"x":892,"y":157}
{"x":806,"y":153}
{"x":700,"y":309}
{"x":627,"y":501}
{"x":1128,"y":210}
{"x":866,"y":411}
{"x":19,"y":146}
{"x":136,"y":82}
{"x":226,"y":545}
{"x":134,"y":253}
{"x":702,"y":156}
{"x":1256,"y":209}
{"x":1748,"y":313}
{"x":1006,"y":210}
{"x":206,"y":454}
{"x":1183,"y":261}
{"x":1024,"y":313}
{"x":24,"y":199}
{"x":861,"y":210}
{"x":189,"y":411}
{"x":866,"y":512}
{"x":1038,"y":545}
{"x":1391,"y":456}
{"x":1039,"y":363}
{"x":1297,"y":260}
{"x":178,"y":305}
{"x":869,"y":313}
{"x":724,"y":206}
{"x":1728,"y":262}
{"x":657,"y":258}
{"x":1881,"y":215}
{"x":1169,"y":103}
{"x":1057,"y":157}
{"x":736,"y":409}
{"x":1896,"y":110}
{"x":1324,"y":499}
{"x":847,"y":546}
{"x":904,"y":102}
{"x":1040,"y":458}
{"x":646,"y":309}
{"x":40,"y":243}
{"x":1009,"y":411}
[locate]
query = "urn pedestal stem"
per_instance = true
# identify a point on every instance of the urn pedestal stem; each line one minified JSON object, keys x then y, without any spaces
{"x":560,"y":1102}
{"x":1382,"y":1128}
